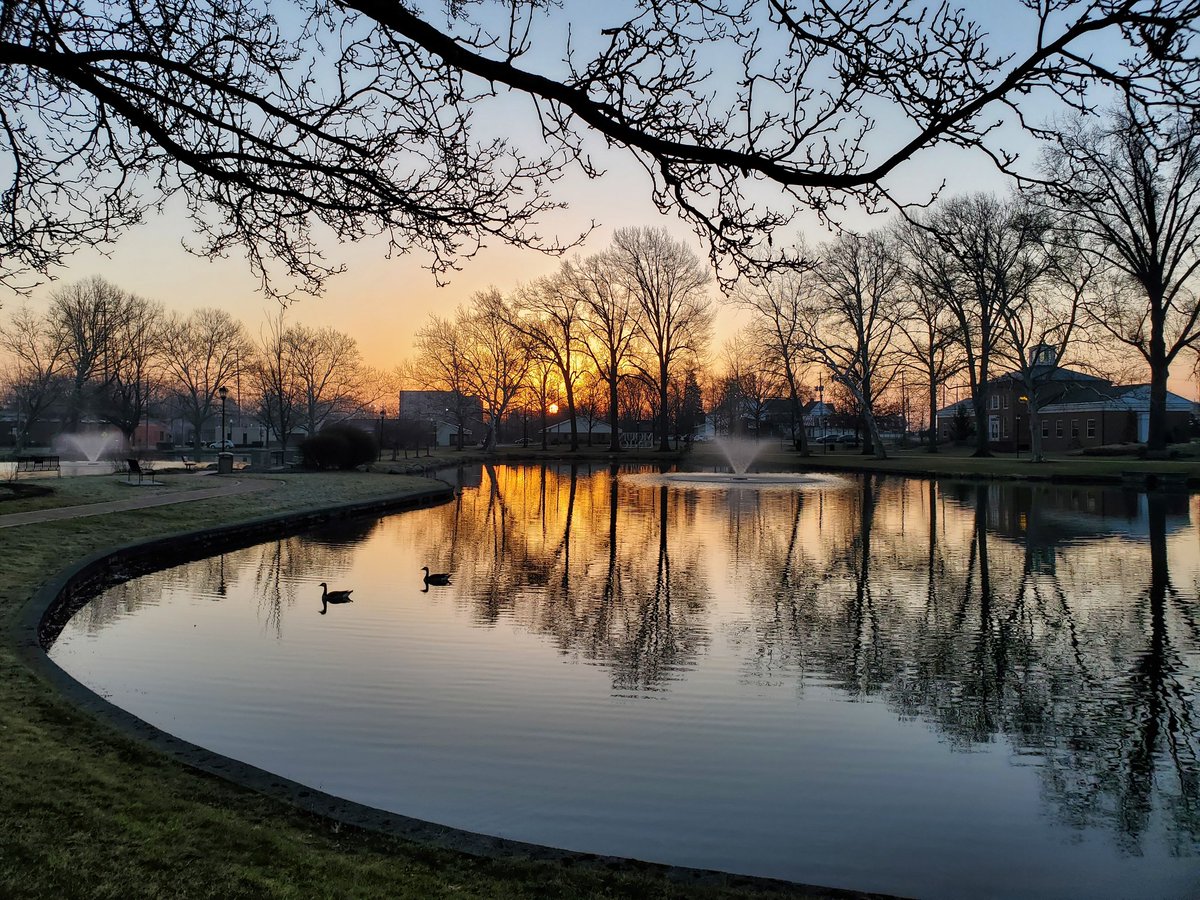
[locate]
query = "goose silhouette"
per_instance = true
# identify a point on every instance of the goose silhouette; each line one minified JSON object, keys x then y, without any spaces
{"x":438,"y":578}
{"x":328,"y":596}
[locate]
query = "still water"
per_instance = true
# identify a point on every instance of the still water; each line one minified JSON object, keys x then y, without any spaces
{"x":930,"y":689}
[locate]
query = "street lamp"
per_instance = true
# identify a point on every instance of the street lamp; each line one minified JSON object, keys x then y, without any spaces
{"x":821,"y":407}
{"x":1017,"y":427}
{"x":222,"y":392}
{"x":382,"y":413}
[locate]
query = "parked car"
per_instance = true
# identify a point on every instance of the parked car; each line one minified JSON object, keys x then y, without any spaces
{"x":849,"y":439}
{"x":221,"y":445}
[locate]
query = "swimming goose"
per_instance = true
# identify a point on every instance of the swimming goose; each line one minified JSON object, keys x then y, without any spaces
{"x":328,"y":596}
{"x":436,"y":577}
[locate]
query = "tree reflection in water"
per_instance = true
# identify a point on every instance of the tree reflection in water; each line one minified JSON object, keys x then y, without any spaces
{"x":992,"y":612}
{"x":1061,"y":621}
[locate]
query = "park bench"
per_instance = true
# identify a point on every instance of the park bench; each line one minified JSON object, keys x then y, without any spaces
{"x":38,"y":464}
{"x":189,"y":464}
{"x":142,"y":469}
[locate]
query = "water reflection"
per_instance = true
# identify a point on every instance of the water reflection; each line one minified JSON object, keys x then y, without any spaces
{"x":1057,"y":623}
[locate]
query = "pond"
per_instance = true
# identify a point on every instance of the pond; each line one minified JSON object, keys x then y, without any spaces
{"x":934,"y":689}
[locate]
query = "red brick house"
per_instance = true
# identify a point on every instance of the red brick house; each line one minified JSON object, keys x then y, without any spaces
{"x":1077,"y":410}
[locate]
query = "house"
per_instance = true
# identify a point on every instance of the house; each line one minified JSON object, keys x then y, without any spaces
{"x":447,"y":434}
{"x":439,"y":411}
{"x":1076,"y":410}
{"x":588,"y":430}
{"x":818,"y":417}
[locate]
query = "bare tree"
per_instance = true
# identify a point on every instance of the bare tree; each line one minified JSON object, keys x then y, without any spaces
{"x":777,"y":305}
{"x":298,"y":121}
{"x":549,"y":314}
{"x":850,"y":328}
{"x":358,"y":116}
{"x":86,"y":318}
{"x":982,"y":255}
{"x":668,"y":282}
{"x":330,"y":374}
{"x":497,"y":358}
{"x":274,"y":383}
{"x":750,"y":380}
{"x":133,"y":382}
{"x":926,"y":325}
{"x":441,"y":365}
{"x":609,"y":326}
{"x":201,"y":354}
{"x":1039,"y":332}
{"x":1130,"y":195}
{"x":799,"y":78}
{"x":34,"y":372}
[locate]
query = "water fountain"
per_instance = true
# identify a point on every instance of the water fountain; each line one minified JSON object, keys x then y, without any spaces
{"x":740,"y":453}
{"x":86,"y":451}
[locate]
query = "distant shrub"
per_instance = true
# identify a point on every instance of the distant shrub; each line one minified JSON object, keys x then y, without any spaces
{"x":338,"y":447}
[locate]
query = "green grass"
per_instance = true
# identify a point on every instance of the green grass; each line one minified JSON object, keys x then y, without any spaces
{"x":957,"y":461}
{"x":71,"y":491}
{"x":87,"y":812}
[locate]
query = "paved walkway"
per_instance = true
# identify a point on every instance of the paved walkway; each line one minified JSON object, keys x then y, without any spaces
{"x":225,"y":488}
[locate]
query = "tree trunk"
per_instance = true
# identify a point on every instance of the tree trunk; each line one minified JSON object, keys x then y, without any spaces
{"x":933,"y":408}
{"x":797,"y":414}
{"x":545,"y":436}
{"x":665,"y":444}
{"x":1035,"y":433}
{"x":873,"y":433}
{"x":1156,"y":439}
{"x":567,"y":386}
{"x":614,"y":440}
{"x":979,"y":402}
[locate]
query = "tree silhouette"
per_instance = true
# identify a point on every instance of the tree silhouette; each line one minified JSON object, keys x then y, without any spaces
{"x":359,"y":116}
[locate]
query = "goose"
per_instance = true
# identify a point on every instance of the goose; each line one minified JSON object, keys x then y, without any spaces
{"x":436,"y":577}
{"x":328,"y":596}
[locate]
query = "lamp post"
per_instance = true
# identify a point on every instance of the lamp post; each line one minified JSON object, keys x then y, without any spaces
{"x":821,"y":407}
{"x":382,"y":413}
{"x":223,"y":392}
{"x":1017,"y":427}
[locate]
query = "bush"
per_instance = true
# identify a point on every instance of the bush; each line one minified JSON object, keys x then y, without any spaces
{"x":338,"y":447}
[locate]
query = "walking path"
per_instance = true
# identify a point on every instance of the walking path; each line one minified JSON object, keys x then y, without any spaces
{"x":224,"y":489}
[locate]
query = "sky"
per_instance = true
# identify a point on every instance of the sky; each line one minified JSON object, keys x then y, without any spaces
{"x":381,"y":302}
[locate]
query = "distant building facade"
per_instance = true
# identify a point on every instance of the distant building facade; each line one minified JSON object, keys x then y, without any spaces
{"x":1077,"y":411}
{"x":440,"y":408}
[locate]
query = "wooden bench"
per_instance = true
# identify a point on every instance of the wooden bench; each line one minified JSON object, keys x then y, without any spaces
{"x":189,"y":464}
{"x":38,"y":464}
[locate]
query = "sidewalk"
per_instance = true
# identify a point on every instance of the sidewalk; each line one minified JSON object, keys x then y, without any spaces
{"x":225,"y":489}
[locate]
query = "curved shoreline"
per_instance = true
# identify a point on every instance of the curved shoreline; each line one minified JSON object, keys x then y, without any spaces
{"x":43,"y":615}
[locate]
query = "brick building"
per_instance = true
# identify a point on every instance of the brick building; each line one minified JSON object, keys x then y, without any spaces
{"x":1077,"y":410}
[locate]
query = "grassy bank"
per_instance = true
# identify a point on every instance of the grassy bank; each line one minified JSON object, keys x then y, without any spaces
{"x":87,"y":812}
{"x":958,"y":462}
{"x":772,"y":454}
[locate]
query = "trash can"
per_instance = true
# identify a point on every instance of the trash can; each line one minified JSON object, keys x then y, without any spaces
{"x":224,"y":463}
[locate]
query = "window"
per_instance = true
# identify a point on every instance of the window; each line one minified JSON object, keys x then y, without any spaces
{"x":995,"y":401}
{"x":1074,"y":428}
{"x":1045,"y":428}
{"x":1006,"y":401}
{"x":1091,"y":428}
{"x":1058,"y":428}
{"x":1004,"y":428}
{"x":994,"y":428}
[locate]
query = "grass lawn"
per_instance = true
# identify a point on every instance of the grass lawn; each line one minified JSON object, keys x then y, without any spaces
{"x":87,"y":812}
{"x":957,"y":461}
